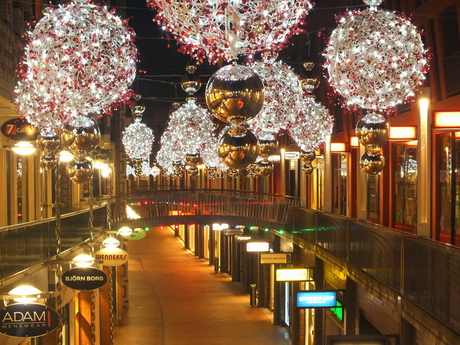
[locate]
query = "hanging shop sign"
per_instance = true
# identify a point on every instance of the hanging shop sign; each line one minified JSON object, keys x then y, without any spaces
{"x":84,"y":278}
{"x":316,"y":299}
{"x":137,"y":234}
{"x":112,"y":256}
{"x":19,"y":129}
{"x":243,"y":238}
{"x":292,"y":275}
{"x":257,"y":246}
{"x":28,"y":320}
{"x":234,"y":231}
{"x":273,"y":258}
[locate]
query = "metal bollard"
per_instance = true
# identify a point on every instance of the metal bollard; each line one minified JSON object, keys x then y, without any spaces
{"x":253,"y":297}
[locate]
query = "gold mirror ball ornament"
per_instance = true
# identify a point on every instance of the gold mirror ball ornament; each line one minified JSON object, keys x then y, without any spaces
{"x":234,"y":94}
{"x":238,"y":148}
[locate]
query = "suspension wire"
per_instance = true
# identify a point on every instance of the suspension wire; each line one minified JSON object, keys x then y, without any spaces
{"x":58,"y":274}
{"x":91,"y":244}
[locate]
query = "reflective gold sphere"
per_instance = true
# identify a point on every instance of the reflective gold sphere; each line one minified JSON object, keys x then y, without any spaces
{"x":233,"y":173}
{"x":192,"y":170}
{"x":372,"y":162}
{"x":268,"y":147}
{"x":265,"y":168}
{"x":307,"y":169}
{"x":80,"y":171}
{"x":238,"y":148}
{"x":81,"y":134}
{"x":234,"y":94}
{"x":373,"y":129}
{"x":308,"y":156}
{"x":49,"y":144}
{"x":48,"y":162}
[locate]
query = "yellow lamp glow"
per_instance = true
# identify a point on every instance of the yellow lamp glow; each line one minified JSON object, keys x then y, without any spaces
{"x":125,"y":231}
{"x":65,"y":156}
{"x":23,"y":148}
{"x":25,"y":293}
{"x":110,"y":242}
{"x":83,"y":260}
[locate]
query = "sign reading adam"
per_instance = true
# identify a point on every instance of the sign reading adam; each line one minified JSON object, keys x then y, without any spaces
{"x":28,"y":320}
{"x":84,"y":278}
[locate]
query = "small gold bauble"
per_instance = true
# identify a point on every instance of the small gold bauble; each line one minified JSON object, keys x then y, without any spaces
{"x":192,"y":159}
{"x":234,"y":94}
{"x":307,"y":169}
{"x":233,"y":173}
{"x":373,"y":129}
{"x":48,"y":144}
{"x":81,"y":135}
{"x":238,"y":151}
{"x":268,"y":147}
{"x":80,"y":171}
{"x":307,"y":156}
{"x":192,"y":170}
{"x":48,"y":162}
{"x":372,"y":162}
{"x":265,"y":168}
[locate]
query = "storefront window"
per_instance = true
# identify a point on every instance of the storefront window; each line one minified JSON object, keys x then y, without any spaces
{"x":448,"y":188}
{"x":373,"y":198}
{"x":405,"y":188}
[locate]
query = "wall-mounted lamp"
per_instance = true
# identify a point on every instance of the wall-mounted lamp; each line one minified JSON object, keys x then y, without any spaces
{"x":83,"y":260}
{"x":25,"y":294}
{"x":23,"y":148}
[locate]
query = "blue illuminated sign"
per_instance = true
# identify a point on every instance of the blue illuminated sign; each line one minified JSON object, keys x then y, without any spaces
{"x":316,"y":299}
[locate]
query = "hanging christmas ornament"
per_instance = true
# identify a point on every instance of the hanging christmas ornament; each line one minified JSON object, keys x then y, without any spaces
{"x":373,"y":129}
{"x":375,"y":58}
{"x":48,"y":142}
{"x":80,"y":59}
{"x":137,"y":138}
{"x":283,"y":96}
{"x":307,"y":157}
{"x":209,"y":154}
{"x":234,"y":94}
{"x":372,"y":161}
{"x":311,"y":125}
{"x":79,"y":170}
{"x":225,"y":29}
{"x":81,"y":134}
{"x":238,"y":148}
{"x":264,"y":168}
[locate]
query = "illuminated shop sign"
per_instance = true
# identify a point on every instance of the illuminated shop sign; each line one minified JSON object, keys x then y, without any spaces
{"x":28,"y":320}
{"x":273,"y":258}
{"x":292,"y":274}
{"x":447,"y":119}
{"x":84,"y":278}
{"x":316,"y":299}
{"x":233,"y":231}
{"x":257,"y":246}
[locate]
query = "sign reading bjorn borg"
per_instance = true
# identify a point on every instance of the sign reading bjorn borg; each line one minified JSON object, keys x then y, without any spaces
{"x":28,"y":320}
{"x":84,"y":278}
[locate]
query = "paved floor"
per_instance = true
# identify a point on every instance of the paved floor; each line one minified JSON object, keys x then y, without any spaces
{"x":177,"y":299}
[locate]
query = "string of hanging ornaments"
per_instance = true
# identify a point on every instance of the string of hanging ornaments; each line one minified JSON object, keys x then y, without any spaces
{"x":79,"y":59}
{"x":375,"y":60}
{"x":282,"y":98}
{"x":189,"y":127}
{"x":235,"y":94}
{"x":224,"y":29}
{"x":137,"y":139}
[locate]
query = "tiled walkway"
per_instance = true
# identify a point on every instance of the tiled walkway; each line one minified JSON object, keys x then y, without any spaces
{"x":177,"y":299}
